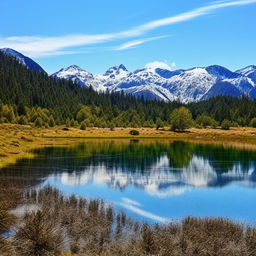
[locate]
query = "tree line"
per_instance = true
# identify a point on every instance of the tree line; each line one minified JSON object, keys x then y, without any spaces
{"x":29,"y":97}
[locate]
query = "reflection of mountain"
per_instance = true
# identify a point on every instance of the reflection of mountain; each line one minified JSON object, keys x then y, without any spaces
{"x":160,"y":179}
{"x":161,"y":169}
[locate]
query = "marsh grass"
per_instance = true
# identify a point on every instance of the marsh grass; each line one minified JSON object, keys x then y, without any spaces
{"x":71,"y":225}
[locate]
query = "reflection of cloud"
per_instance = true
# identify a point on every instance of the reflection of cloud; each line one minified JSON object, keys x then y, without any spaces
{"x":130,"y":201}
{"x":173,"y":190}
{"x":160,"y":179}
{"x":129,"y":204}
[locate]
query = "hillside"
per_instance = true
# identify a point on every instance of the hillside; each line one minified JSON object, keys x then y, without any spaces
{"x":34,"y":95}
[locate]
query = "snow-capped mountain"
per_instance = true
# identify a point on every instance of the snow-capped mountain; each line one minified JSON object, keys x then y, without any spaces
{"x":76,"y":74}
{"x":185,"y":85}
{"x":23,"y":59}
{"x":190,"y":85}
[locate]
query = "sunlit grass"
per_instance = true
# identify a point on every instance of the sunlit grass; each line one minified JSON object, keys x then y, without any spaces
{"x":18,"y":141}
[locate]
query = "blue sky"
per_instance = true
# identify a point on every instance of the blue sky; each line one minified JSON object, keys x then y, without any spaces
{"x":98,"y":34}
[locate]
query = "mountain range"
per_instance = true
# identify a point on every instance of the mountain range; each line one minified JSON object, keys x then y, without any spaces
{"x":191,"y":85}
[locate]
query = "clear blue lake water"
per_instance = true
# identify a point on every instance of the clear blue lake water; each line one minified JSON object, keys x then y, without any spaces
{"x":154,"y":181}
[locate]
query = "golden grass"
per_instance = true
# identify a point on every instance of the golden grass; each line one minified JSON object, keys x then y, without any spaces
{"x":18,"y":141}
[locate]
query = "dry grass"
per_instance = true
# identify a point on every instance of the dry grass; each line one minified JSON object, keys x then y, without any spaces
{"x":74,"y":226}
{"x":18,"y":141}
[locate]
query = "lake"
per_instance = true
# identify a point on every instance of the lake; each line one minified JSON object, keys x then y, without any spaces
{"x":154,"y":181}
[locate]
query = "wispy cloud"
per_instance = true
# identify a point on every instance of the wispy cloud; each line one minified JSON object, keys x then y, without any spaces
{"x":134,"y":43}
{"x":37,"y":46}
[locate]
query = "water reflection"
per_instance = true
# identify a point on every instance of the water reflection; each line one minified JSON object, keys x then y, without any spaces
{"x":149,"y":178}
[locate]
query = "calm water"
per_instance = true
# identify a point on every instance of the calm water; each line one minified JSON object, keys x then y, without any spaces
{"x":152,"y":181}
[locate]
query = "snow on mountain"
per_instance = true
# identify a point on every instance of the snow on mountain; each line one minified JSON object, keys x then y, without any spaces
{"x":249,"y":71}
{"x":155,"y":83}
{"x":23,"y":59}
{"x":191,"y":84}
{"x":76,"y":74}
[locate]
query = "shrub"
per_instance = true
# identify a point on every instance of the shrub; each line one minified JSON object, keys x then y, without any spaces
{"x":51,"y":122}
{"x":134,"y":132}
{"x":23,"y":120}
{"x":226,"y":124}
{"x":72,"y":122}
{"x":68,"y":122}
{"x":149,"y":124}
{"x":205,"y":120}
{"x":159,"y":123}
{"x":253,"y":122}
{"x":83,"y":126}
{"x":38,"y":122}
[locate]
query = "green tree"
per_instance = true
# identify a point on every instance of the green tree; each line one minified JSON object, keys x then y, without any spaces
{"x":38,"y":122}
{"x":51,"y":121}
{"x":181,"y":119}
{"x":83,"y":126}
{"x":205,"y":121}
{"x":23,"y":120}
{"x":159,"y":123}
{"x":68,"y":123}
{"x":226,"y":124}
{"x":253,"y":122}
{"x":8,"y":113}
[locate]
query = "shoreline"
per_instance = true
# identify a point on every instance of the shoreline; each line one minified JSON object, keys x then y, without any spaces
{"x":17,"y":141}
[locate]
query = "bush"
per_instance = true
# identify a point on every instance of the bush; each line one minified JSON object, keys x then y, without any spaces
{"x":253,"y":122}
{"x":149,"y":124}
{"x":68,"y":122}
{"x":134,"y":132}
{"x":23,"y":120}
{"x":159,"y":123}
{"x":38,"y":122}
{"x":51,"y":122}
{"x":83,"y":126}
{"x":181,"y":119}
{"x":226,"y":124}
{"x":205,"y":120}
{"x":72,"y":122}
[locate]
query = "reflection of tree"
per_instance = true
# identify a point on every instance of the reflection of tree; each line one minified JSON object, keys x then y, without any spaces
{"x":224,"y":158}
{"x":133,"y":158}
{"x":180,"y":154}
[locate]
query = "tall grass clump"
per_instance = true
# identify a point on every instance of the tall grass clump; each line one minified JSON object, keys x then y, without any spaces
{"x":62,"y":225}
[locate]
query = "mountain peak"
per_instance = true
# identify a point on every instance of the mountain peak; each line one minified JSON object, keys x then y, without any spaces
{"x":221,"y":72}
{"x":116,"y":71}
{"x":121,"y":66}
{"x":73,"y":67}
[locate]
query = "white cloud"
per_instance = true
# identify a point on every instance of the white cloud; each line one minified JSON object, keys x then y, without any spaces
{"x":160,"y":64}
{"x":134,"y":43}
{"x":36,"y":46}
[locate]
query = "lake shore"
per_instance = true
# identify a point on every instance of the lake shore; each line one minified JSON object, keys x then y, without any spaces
{"x":18,"y":141}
